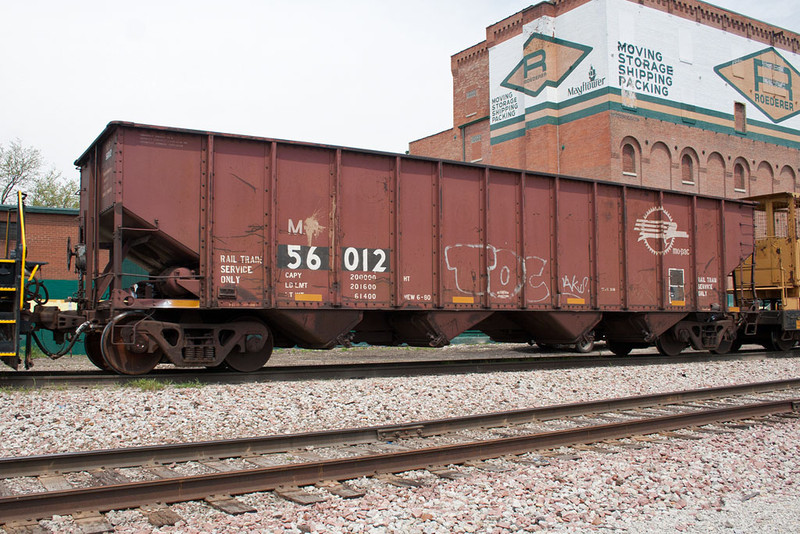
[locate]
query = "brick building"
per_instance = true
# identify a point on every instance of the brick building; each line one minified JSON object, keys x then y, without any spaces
{"x":675,"y":94}
{"x":47,"y":231}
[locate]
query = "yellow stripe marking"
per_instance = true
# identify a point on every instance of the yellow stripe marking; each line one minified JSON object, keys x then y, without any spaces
{"x":178,"y":303}
{"x":733,"y":309}
{"x":308,"y":297}
{"x":464,"y":300}
{"x":576,"y":301}
{"x":678,"y":302}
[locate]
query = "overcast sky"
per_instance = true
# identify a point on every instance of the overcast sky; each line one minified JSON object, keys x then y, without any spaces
{"x":369,"y":74}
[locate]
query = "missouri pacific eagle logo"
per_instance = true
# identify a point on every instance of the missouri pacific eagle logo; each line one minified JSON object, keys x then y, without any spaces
{"x":546,"y":62}
{"x":658,"y":230}
{"x":767,"y":80}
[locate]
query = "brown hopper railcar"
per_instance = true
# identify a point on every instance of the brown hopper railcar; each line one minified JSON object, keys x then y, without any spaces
{"x":242,"y":243}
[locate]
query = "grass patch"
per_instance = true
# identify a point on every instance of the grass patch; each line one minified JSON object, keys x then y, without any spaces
{"x":146,"y":384}
{"x":190,"y":384}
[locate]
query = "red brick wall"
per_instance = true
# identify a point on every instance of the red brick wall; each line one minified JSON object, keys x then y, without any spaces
{"x":470,"y":71}
{"x":708,"y":147}
{"x":46,"y":235}
{"x":47,"y":241}
{"x":446,"y":144}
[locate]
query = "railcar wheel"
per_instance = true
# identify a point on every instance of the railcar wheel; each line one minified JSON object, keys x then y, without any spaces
{"x":94,"y":352}
{"x":619,"y":348}
{"x":776,"y":343}
{"x":725,"y":346}
{"x":123,"y":354}
{"x":585,"y":345}
{"x":257,"y":350}
{"x":668,"y":345}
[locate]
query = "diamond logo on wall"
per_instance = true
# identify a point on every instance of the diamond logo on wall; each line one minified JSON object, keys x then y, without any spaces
{"x":546,"y":62}
{"x":767,"y":81}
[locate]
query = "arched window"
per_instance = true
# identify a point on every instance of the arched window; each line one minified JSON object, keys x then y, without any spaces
{"x":687,"y":169}
{"x":628,"y":159}
{"x":739,"y":178}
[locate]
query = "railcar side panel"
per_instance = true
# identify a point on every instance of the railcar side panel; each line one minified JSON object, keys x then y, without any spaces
{"x":238,"y":227}
{"x":365,"y":238}
{"x":463,"y":241}
{"x":677,"y":252}
{"x":573,"y":235}
{"x":539,"y":241}
{"x":160,"y":181}
{"x":305,"y":226}
{"x":644,"y":246}
{"x":710,"y":273}
{"x":504,"y":262}
{"x":417,"y":230}
{"x":610,"y":253}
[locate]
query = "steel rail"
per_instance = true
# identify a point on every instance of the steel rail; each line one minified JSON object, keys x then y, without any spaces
{"x":205,"y":450}
{"x":124,"y":496}
{"x":38,"y":379}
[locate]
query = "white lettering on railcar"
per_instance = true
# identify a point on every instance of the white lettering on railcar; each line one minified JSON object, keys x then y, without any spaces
{"x":706,"y":284}
{"x":233,"y":266}
{"x":309,"y":227}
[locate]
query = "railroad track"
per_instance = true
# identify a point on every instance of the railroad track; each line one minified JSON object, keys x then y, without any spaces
{"x":33,"y":379}
{"x":284,"y":463}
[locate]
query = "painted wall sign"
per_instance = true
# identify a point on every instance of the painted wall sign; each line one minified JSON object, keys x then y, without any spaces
{"x":546,"y":62}
{"x":767,"y":81}
{"x":617,"y":55}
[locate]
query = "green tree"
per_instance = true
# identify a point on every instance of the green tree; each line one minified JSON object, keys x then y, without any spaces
{"x":53,"y":191}
{"x":21,"y":169}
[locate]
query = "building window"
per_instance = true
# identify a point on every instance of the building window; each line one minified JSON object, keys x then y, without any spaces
{"x":739,"y":178}
{"x":687,"y":169}
{"x":472,"y":94}
{"x":628,"y":160}
{"x":740,"y":117}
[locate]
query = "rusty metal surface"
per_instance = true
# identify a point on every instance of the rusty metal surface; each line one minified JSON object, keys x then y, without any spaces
{"x":246,"y":481}
{"x":295,"y":227}
{"x":164,"y":454}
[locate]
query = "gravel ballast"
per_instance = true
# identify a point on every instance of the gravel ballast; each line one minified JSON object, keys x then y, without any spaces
{"x":742,"y":481}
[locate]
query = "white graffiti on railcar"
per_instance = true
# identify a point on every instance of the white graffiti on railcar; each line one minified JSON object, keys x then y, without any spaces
{"x":574,"y":287}
{"x":507,"y":272}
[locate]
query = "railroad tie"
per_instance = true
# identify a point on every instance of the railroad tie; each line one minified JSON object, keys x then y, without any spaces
{"x":92,"y":522}
{"x":447,"y":474}
{"x":160,"y":515}
{"x":55,"y":482}
{"x":229,"y":505}
{"x":24,"y":527}
{"x":341,"y":489}
{"x":298,"y":495}
{"x":400,"y":482}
